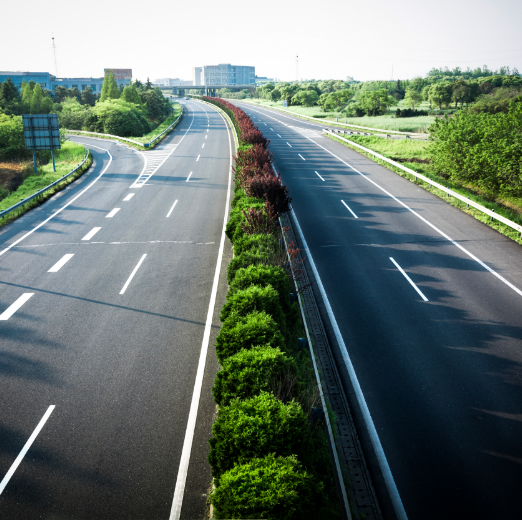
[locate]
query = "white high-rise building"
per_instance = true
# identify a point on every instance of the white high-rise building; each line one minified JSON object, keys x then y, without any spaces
{"x":196,"y":76}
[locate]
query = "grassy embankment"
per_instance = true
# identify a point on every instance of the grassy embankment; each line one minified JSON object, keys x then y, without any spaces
{"x":415,"y":155}
{"x":66,"y":159}
{"x":385,"y":122}
{"x":147,"y":137}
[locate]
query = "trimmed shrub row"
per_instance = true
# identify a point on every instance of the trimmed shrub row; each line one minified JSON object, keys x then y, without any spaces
{"x":268,"y":459}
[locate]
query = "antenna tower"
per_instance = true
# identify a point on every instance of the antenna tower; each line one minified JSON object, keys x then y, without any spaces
{"x":55,"y":62}
{"x":297,"y":67}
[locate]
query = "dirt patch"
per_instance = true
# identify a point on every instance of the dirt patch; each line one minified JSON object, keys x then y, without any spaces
{"x":12,"y":174}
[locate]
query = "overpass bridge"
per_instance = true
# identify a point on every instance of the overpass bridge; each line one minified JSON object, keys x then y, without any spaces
{"x":207,"y":90}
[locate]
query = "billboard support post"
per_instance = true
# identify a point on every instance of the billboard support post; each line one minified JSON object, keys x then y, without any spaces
{"x":34,"y":160}
{"x":54,"y":165}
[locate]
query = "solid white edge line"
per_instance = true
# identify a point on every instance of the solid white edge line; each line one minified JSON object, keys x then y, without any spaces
{"x":129,"y":280}
{"x":58,"y":265}
{"x":301,"y":156}
{"x":59,"y":210}
{"x":91,"y":233}
{"x":25,"y":449}
{"x":112,"y":213}
{"x":188,"y":177}
{"x":320,"y":176}
{"x":173,"y":206}
{"x":435,"y":228}
{"x":409,"y":280}
{"x":349,"y":209}
{"x":181,"y":479}
{"x":379,"y":452}
{"x":15,"y":306}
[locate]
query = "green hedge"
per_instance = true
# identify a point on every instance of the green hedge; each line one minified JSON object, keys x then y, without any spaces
{"x":248,"y":429}
{"x":255,"y":298}
{"x":272,"y":488}
{"x":244,"y":332}
{"x":249,"y":372}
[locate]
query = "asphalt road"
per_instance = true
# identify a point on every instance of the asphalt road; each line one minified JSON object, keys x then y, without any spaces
{"x":442,"y":377}
{"x":120,"y":282}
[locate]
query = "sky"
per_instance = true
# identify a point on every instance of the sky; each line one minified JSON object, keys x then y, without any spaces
{"x":367,"y":40}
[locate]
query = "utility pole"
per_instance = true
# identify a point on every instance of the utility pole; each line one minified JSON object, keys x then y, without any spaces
{"x":55,"y":63}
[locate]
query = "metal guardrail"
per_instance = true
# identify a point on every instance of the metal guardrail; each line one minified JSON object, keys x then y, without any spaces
{"x":145,"y":145}
{"x":43,"y":190}
{"x":454,"y":194}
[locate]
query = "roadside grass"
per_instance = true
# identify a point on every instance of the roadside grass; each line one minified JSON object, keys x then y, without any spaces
{"x":66,"y":160}
{"x":385,"y":122}
{"x":414,"y":155}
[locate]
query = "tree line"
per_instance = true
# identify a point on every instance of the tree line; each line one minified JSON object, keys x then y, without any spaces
{"x":481,"y":89}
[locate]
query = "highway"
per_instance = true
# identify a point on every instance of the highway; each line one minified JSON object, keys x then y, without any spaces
{"x":428,"y":302}
{"x":109,"y":304}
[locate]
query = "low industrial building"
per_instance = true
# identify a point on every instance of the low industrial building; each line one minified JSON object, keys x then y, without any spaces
{"x":172,"y":82}
{"x":50,"y":82}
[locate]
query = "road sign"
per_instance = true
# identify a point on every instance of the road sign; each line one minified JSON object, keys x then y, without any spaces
{"x":41,"y":132}
{"x":285,"y":102}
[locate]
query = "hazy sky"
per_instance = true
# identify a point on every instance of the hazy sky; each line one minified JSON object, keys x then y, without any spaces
{"x":334,"y":38}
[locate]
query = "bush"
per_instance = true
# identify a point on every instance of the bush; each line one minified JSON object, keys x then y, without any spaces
{"x":234,"y":230}
{"x":254,"y":298}
{"x":410,"y":112}
{"x":249,"y":372}
{"x":263,"y":275}
{"x":272,"y":488}
{"x":272,"y":189}
{"x":259,"y":220}
{"x":262,"y":424}
{"x":257,"y":242}
{"x":245,"y":332}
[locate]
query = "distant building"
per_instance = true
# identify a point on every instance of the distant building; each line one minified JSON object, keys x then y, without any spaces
{"x":50,"y":82}
{"x":196,"y":75}
{"x":224,"y":74}
{"x":261,"y":80}
{"x":172,"y":82}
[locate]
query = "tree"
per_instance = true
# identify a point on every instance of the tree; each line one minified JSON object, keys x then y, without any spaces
{"x":148,"y":85}
{"x":460,"y":92}
{"x":307,"y":98}
{"x":131,"y":95}
{"x":88,"y":97}
{"x":275,"y":95}
{"x":440,"y":94}
{"x":412,"y":98}
{"x":36,"y":100}
{"x":109,"y":87}
{"x":375,"y":102}
{"x":10,"y":101}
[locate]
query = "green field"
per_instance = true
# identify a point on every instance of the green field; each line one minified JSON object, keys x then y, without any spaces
{"x":385,"y":122}
{"x":66,"y":160}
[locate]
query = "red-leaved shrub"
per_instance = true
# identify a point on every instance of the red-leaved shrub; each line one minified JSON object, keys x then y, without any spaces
{"x":269,"y":187}
{"x":260,"y":221}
